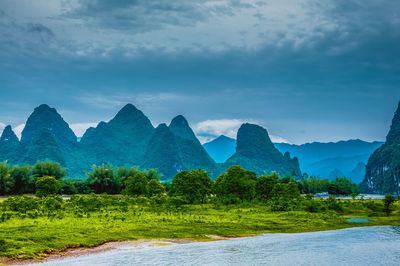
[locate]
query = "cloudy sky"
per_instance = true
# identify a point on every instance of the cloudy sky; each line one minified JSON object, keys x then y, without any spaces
{"x":307,"y":70}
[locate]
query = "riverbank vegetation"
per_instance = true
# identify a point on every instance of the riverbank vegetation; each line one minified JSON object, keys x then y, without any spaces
{"x":237,"y":203}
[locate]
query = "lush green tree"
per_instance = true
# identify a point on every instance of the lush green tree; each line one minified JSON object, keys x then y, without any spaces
{"x":103,"y":179}
{"x":136,"y":185}
{"x":67,"y":187}
{"x":154,"y":188}
{"x":236,"y":184}
{"x":48,"y":168}
{"x":387,"y":203}
{"x":83,"y":187}
{"x":342,"y":186}
{"x":122,"y":173}
{"x":6,"y":181}
{"x":264,"y":186}
{"x":193,"y":186}
{"x":152,"y":174}
{"x":46,"y":185}
{"x":23,"y":181}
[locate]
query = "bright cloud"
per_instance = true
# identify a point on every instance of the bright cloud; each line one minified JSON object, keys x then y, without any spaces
{"x":18,"y":130}
{"x":80,"y":128}
{"x":210,"y":129}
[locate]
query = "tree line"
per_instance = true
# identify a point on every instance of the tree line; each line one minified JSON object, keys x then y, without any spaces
{"x":234,"y":185}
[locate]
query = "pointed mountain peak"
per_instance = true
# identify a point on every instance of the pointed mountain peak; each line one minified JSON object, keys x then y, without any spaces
{"x":162,"y":127}
{"x":179,"y":126}
{"x":254,"y":141}
{"x":394,"y":132}
{"x":9,"y":135}
{"x":179,"y":121}
{"x":129,"y":114}
{"x":46,"y":117}
{"x":127,"y":111}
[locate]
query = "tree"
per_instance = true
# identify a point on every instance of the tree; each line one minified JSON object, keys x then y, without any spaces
{"x":387,"y":203}
{"x":103,"y":179}
{"x":23,"y":181}
{"x":193,"y":186}
{"x":154,"y":187}
{"x":152,"y":174}
{"x":265,"y":185}
{"x":122,"y":173}
{"x":237,"y":184}
{"x":46,"y":185}
{"x":6,"y":181}
{"x":48,"y":168}
{"x":136,"y":185}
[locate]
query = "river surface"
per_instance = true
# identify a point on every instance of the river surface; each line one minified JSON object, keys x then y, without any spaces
{"x":356,"y":246}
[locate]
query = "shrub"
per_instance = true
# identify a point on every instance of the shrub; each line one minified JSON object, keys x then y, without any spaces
{"x":46,"y":185}
{"x":136,"y":185}
{"x":193,"y":186}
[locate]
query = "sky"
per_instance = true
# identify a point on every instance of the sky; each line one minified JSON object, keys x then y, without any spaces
{"x":306,"y":70}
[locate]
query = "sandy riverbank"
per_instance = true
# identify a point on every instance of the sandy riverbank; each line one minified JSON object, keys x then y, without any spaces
{"x":103,"y":247}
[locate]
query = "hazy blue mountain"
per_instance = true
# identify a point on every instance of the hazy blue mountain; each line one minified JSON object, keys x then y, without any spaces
{"x":383,"y":168}
{"x":358,"y":173}
{"x":256,"y":152}
{"x":318,"y":159}
{"x":221,"y":148}
{"x":334,"y":174}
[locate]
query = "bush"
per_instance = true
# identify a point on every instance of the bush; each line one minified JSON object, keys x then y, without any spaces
{"x":154,"y":188}
{"x":136,"y":185}
{"x":387,"y":204}
{"x":193,"y":186}
{"x":236,"y":183}
{"x":46,"y":185}
{"x":48,"y":168}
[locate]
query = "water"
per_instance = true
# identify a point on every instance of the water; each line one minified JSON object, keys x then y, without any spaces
{"x":357,"y":220}
{"x":365,"y":196}
{"x":355,"y":246}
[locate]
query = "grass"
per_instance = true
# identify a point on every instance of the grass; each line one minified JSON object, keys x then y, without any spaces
{"x":27,"y":236}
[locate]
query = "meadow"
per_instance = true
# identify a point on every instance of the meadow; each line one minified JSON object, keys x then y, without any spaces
{"x":34,"y":228}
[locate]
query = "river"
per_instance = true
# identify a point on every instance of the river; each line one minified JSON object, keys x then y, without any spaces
{"x":355,"y":246}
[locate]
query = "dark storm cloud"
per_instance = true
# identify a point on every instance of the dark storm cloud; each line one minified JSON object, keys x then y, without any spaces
{"x":144,"y":15}
{"x":315,"y":71}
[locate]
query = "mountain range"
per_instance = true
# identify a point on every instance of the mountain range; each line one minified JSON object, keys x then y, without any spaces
{"x":325,"y":160}
{"x":129,"y":139}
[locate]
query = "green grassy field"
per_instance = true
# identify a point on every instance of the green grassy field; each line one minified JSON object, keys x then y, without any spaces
{"x":34,"y":231}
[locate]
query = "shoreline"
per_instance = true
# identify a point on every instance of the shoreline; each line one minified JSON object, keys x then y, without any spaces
{"x":104,"y":247}
{"x":110,"y":245}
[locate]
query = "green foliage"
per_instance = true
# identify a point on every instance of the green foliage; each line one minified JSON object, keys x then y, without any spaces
{"x":155,"y":188}
{"x":193,"y":186}
{"x":48,"y":168}
{"x":67,"y":187}
{"x":342,"y":186}
{"x":103,"y":180}
{"x":236,"y":184}
{"x":22,"y":178}
{"x":6,"y":182}
{"x":387,"y":203}
{"x":31,"y":226}
{"x":264,"y":186}
{"x":136,"y":185}
{"x":46,"y":185}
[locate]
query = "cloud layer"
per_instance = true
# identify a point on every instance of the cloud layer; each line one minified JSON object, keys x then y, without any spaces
{"x":306,"y":70}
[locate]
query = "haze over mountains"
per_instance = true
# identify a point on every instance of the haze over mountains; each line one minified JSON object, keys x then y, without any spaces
{"x":130,"y":139}
{"x":326,"y":160}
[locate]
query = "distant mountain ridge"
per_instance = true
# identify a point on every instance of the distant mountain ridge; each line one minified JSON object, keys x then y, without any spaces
{"x":316,"y":158}
{"x":130,"y":139}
